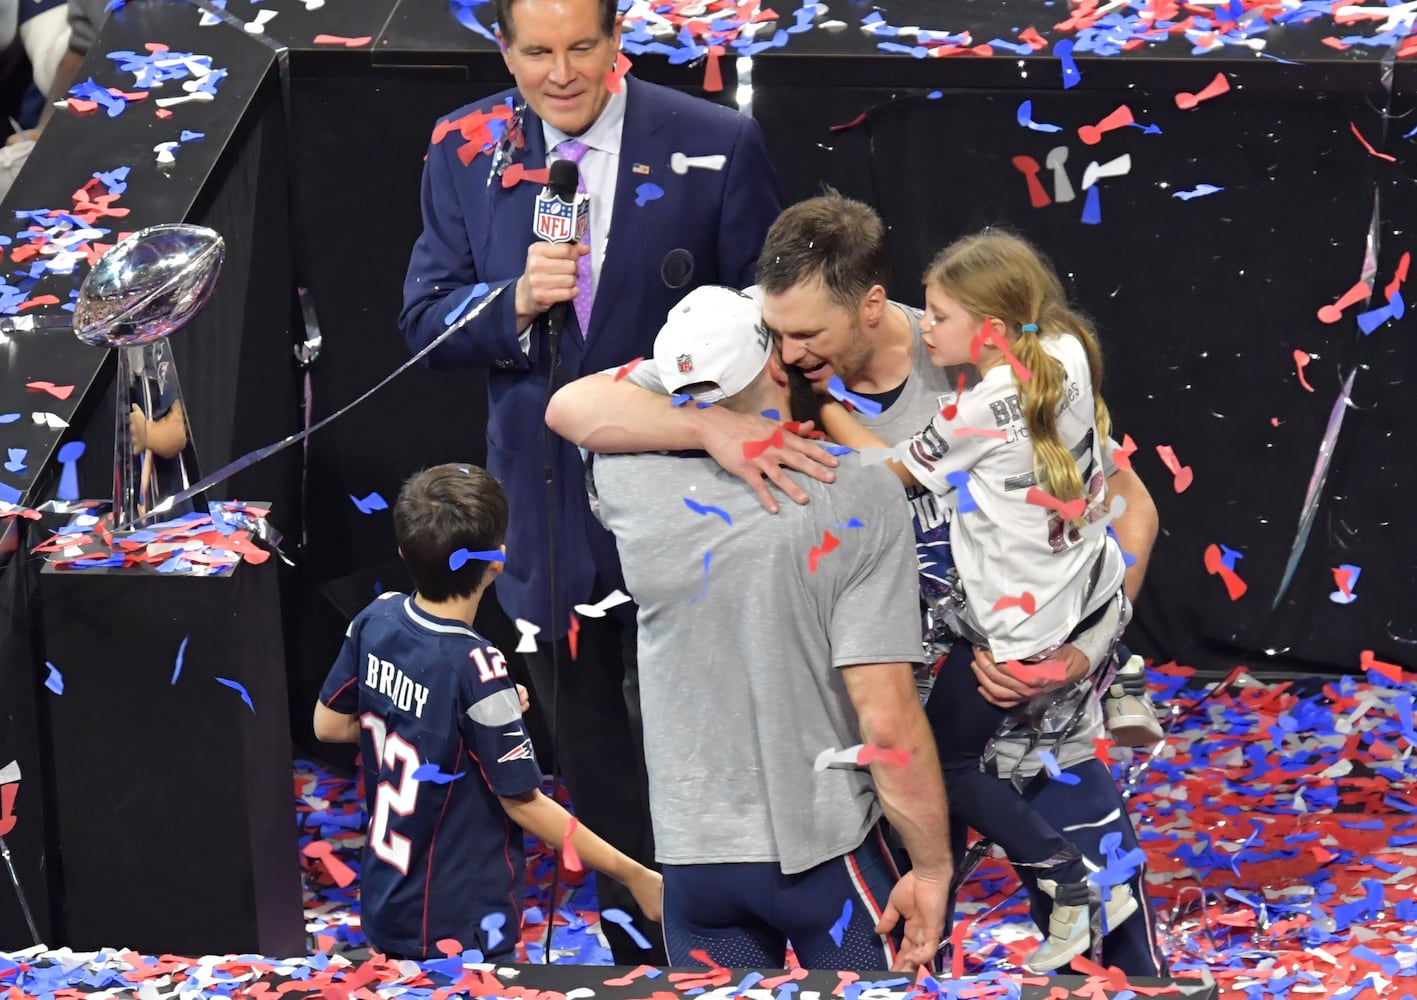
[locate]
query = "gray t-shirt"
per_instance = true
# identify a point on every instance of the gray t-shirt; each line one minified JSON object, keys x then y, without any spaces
{"x":926,"y":391}
{"x":743,"y":631}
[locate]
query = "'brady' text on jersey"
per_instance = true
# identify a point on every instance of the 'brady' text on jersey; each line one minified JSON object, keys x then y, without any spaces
{"x":389,"y":680}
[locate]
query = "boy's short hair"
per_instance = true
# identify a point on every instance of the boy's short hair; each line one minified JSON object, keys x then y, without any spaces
{"x":443,"y":509}
{"x":830,"y":237}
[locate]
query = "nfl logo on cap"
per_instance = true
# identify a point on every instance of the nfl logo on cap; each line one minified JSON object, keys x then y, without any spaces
{"x":686,"y":363}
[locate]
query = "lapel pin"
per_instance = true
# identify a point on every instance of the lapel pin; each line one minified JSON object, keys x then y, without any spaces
{"x":640,"y":168}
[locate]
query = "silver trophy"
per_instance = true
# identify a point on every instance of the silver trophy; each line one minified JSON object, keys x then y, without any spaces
{"x":146,"y":287}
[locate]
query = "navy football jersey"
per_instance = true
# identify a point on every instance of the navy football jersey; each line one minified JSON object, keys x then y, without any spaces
{"x":441,"y":856}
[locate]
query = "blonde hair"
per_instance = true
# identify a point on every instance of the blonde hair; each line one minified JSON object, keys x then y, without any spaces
{"x":1000,"y":275}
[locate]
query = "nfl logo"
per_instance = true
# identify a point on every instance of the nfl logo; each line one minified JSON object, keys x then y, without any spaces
{"x":555,"y":220}
{"x":686,"y":363}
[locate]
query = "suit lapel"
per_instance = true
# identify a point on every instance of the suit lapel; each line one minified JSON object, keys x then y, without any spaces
{"x":639,"y":143}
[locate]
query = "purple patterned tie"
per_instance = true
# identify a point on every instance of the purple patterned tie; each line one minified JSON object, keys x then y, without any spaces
{"x":573,"y":150}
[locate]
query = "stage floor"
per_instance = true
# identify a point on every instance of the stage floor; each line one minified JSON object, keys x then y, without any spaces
{"x":1278,"y":823}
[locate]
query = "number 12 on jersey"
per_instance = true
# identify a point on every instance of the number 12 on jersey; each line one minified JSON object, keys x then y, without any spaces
{"x":491,"y":664}
{"x":394,"y":752}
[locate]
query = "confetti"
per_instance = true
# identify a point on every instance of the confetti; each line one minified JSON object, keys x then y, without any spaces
{"x":569,"y":858}
{"x":324,"y":851}
{"x":369,"y":504}
{"x":1048,"y":671}
{"x":1122,"y":455}
{"x":1037,"y":194}
{"x":573,"y":636}
{"x":600,"y":608}
{"x":1025,"y":119}
{"x":829,"y":542}
{"x":965,"y":500}
{"x":239,"y":689}
{"x":1333,"y":313}
{"x":1389,"y":671}
{"x":1091,"y":135}
{"x":349,"y":43}
{"x":1184,"y":475}
{"x":57,"y":391}
{"x":987,"y":432}
{"x":1368,"y":146}
{"x":1215,"y":566}
{"x":1301,"y":361}
{"x":431,"y":772}
{"x":708,"y":556}
{"x":492,"y":925}
{"x":17,"y":460}
{"x":838,"y":391}
{"x":1070,"y":510}
{"x":55,"y":680}
{"x":838,"y":929}
{"x":1346,"y":577}
{"x":1215,"y":88}
{"x":869,"y":753}
{"x":615,"y":76}
{"x":701,"y":508}
{"x":623,"y":919}
{"x":516,"y":173}
{"x":627,"y":367}
{"x":1063,"y":52}
{"x":646,"y":193}
{"x":752,"y":449}
{"x":1199,"y":191}
{"x":1050,"y":764}
{"x":526,"y":643}
{"x":1024,"y":601}
{"x":181,"y":652}
{"x":462,"y":557}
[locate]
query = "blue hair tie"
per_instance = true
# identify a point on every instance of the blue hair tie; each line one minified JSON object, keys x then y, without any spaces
{"x":1029,"y":328}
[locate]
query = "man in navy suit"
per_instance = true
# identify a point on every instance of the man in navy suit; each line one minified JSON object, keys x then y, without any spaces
{"x":654,"y":234}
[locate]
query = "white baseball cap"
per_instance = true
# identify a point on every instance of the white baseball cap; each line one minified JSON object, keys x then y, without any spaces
{"x":715,"y":335}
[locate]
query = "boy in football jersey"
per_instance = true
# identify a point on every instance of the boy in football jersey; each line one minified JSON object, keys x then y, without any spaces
{"x":450,"y":777}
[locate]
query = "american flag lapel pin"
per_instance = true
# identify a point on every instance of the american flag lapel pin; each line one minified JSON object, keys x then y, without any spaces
{"x":640,"y":168}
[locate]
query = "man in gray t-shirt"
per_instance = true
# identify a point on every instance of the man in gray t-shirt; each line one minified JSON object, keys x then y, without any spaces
{"x":767,"y":646}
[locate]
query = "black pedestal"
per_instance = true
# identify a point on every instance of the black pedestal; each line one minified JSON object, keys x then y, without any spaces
{"x":173,"y":800}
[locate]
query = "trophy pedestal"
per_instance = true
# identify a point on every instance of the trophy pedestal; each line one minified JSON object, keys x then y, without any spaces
{"x":173,"y":799}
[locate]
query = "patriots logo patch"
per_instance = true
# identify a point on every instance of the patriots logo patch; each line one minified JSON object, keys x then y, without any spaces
{"x":522,"y":751}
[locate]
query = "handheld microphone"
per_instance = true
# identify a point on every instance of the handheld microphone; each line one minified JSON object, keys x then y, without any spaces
{"x":561,"y":217}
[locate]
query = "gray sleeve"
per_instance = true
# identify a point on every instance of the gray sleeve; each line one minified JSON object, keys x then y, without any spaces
{"x":876,"y":616}
{"x":1108,"y":466}
{"x":645,"y":375}
{"x":85,"y":18}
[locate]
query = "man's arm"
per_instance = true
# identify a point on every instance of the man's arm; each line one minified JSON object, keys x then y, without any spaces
{"x":335,"y":727}
{"x":913,"y":798}
{"x":602,"y":414}
{"x":1136,"y":528}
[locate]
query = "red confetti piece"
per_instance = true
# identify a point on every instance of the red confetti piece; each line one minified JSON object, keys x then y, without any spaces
{"x":1055,"y":671}
{"x":7,"y":807}
{"x":982,"y":432}
{"x":573,"y":636}
{"x":349,"y":43}
{"x":1024,"y":600}
{"x":1070,"y":510}
{"x":42,"y":300}
{"x":1037,"y":193}
{"x":630,"y":976}
{"x":1369,"y":146}
{"x":1213,"y":565}
{"x":1122,"y":454}
{"x":829,"y":542}
{"x":1391,"y":671}
{"x":951,"y":411}
{"x":136,"y":95}
{"x":1032,"y":37}
{"x":752,"y":449}
{"x":57,"y":391}
{"x":1100,"y":747}
{"x":869,"y":752}
{"x":844,"y":978}
{"x":1399,"y":276}
{"x":1092,"y":134}
{"x":615,"y":78}
{"x":1215,"y":88}
{"x":163,"y":113}
{"x":337,"y":869}
{"x":626,"y":368}
{"x":517,"y":172}
{"x":795,"y":976}
{"x":851,"y":124}
{"x":451,"y":947}
{"x":1344,"y":579}
{"x":713,"y":74}
{"x":1183,"y":473}
{"x":155,"y":46}
{"x":569,"y":858}
{"x":82,"y":107}
{"x":1301,"y":361}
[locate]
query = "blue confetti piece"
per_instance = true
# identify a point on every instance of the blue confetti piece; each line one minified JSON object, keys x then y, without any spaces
{"x":680,"y":399}
{"x":533,"y":915}
{"x":492,"y":925}
{"x":1338,"y":596}
{"x":190,"y":136}
{"x":772,"y":414}
{"x":841,"y":394}
{"x":1050,"y":764}
{"x":960,"y":481}
{"x":181,"y":652}
{"x":935,"y":95}
{"x":1374,"y":318}
{"x":1063,"y":51}
{"x":647,"y":192}
{"x":369,"y":504}
{"x":1092,"y":209}
{"x":9,"y":418}
{"x":623,"y":919}
{"x":855,"y":522}
{"x":837,"y":449}
{"x":55,"y":680}
{"x":8,"y":494}
{"x":747,"y":983}
{"x":703,"y":593}
{"x":69,"y":456}
{"x":1398,"y":304}
{"x":1228,"y":557}
{"x":462,"y":557}
{"x":476,"y":291}
{"x":700,"y":508}
{"x":430,"y":772}
{"x":838,"y":929}
{"x":239,"y":689}
{"x":1199,"y":191}
{"x":17,"y":460}
{"x":1025,"y":118}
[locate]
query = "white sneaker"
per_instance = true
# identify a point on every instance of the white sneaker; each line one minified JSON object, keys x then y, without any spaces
{"x":1070,"y":926}
{"x":1131,"y":717}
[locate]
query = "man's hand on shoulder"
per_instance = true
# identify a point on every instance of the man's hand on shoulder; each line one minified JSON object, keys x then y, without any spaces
{"x":758,"y":451}
{"x":1002,"y":688}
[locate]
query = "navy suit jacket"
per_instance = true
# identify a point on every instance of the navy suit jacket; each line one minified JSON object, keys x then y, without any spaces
{"x":476,"y":231}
